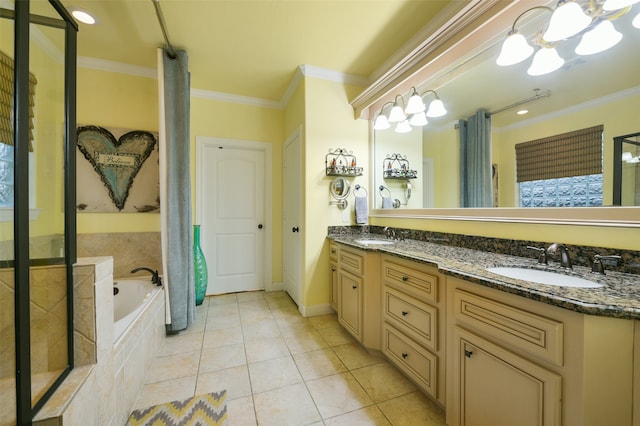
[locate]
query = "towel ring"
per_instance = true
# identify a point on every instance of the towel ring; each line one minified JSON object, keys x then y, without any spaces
{"x":384,"y":188}
{"x":357,"y":188}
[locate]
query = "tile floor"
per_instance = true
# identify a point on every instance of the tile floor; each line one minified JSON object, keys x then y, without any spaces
{"x":280,"y":368}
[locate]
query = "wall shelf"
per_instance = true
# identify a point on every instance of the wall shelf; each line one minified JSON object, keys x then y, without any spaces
{"x":341,"y":162}
{"x":396,"y":166}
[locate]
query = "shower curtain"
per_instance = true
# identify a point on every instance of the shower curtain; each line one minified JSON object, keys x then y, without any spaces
{"x":475,"y":161}
{"x":175,"y":189}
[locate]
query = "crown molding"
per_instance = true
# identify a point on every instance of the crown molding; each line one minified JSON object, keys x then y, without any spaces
{"x":116,"y":67}
{"x":300,"y":72}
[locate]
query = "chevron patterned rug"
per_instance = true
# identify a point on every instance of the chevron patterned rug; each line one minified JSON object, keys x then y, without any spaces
{"x":201,"y":410}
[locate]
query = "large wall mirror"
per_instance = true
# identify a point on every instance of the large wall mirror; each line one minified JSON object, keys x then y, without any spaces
{"x":588,"y":90}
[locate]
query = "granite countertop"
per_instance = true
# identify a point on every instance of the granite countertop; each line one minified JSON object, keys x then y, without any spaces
{"x":619,"y":298}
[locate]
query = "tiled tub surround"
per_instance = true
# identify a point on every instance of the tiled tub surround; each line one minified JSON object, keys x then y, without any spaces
{"x":619,"y":298}
{"x":108,"y":375}
{"x":134,"y":249}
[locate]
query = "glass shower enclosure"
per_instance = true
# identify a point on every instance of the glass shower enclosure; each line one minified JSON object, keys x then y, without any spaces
{"x":37,"y":203}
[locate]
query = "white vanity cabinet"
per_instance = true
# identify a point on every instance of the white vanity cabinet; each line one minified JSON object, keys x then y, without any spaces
{"x":413,"y":330}
{"x":513,"y":360}
{"x":358,"y":294}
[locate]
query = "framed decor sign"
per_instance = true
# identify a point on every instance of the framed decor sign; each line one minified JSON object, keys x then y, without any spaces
{"x":117,"y":170}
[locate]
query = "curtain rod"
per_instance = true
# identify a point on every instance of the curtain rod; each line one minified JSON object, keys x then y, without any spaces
{"x":163,"y":27}
{"x":539,"y":95}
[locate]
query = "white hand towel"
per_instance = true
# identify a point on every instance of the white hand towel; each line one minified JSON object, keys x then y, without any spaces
{"x":386,"y":203}
{"x":362,"y":210}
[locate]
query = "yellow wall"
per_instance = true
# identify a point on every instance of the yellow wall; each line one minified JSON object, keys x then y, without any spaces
{"x":112,"y":99}
{"x":329,"y":124}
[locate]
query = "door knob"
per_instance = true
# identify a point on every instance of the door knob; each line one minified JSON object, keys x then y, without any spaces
{"x":260,"y":226}
{"x":295,"y":229}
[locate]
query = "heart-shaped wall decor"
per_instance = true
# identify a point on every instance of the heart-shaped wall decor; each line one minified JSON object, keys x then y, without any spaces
{"x":117,"y":162}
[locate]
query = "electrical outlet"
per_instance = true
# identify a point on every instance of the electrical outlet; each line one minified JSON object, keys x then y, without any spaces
{"x":346,"y":215}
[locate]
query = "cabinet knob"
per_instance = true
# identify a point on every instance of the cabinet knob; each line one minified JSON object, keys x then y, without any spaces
{"x":405,"y":313}
{"x":405,"y":278}
{"x":468,"y":353}
{"x":354,"y":287}
{"x":405,"y":355}
{"x":333,"y":269}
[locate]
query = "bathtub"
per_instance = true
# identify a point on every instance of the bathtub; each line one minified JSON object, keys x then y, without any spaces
{"x":130,"y":297}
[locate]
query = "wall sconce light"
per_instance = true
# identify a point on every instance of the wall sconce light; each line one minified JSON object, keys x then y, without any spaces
{"x":413,"y":114}
{"x":592,"y":20}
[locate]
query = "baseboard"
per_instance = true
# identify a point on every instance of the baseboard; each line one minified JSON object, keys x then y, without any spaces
{"x":315,"y":310}
{"x":279,"y":286}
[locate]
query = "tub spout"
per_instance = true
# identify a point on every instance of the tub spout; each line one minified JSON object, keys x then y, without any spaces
{"x":155,"y":277}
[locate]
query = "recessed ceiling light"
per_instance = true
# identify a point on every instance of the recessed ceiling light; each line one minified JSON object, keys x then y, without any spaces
{"x":82,"y":16}
{"x":522,"y":112}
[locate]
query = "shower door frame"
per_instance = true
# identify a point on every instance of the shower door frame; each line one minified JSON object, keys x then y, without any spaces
{"x":22,"y":262}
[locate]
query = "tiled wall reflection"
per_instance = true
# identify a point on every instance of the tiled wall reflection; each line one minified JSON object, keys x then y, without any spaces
{"x":577,"y":191}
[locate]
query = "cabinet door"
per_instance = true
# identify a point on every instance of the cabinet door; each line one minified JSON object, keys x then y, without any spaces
{"x":350,"y":303}
{"x":496,"y":387}
{"x":333,"y":285}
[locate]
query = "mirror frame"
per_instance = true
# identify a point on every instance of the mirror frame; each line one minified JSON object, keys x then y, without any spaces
{"x":452,"y":36}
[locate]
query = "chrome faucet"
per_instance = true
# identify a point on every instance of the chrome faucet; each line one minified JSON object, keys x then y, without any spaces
{"x":597,"y":267}
{"x":390,"y":233}
{"x":565,"y":260}
{"x":542,"y":255}
{"x":155,"y":277}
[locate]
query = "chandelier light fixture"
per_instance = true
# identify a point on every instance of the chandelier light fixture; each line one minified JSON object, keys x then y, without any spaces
{"x":414,"y":114}
{"x":591,"y":20}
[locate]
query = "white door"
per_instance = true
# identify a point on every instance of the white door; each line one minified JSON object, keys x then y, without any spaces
{"x":291,"y":218}
{"x":232,"y":217}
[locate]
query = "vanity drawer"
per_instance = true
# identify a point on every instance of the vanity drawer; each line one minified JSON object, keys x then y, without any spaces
{"x":418,"y":283}
{"x":333,"y":251}
{"x":351,"y":261}
{"x":414,"y":360}
{"x":417,"y":320}
{"x":540,"y":336}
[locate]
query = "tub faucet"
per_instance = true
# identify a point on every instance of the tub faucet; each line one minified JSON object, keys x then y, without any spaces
{"x":565,"y":260}
{"x":155,"y":277}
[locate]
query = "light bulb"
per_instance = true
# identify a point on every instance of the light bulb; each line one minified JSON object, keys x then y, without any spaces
{"x":381,"y":122}
{"x":396,"y":115}
{"x":627,"y":156}
{"x":567,"y":20}
{"x":546,"y":60}
{"x":599,"y":39}
{"x":403,"y":127}
{"x":415,"y":104}
{"x":617,"y":4}
{"x":419,"y":119}
{"x":515,"y":49}
{"x":636,"y":21}
{"x":83,"y":16}
{"x":436,"y":108}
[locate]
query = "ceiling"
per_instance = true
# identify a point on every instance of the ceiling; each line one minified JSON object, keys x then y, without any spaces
{"x":253,"y":47}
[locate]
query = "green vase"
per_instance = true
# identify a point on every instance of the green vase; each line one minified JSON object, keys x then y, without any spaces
{"x":199,"y":266}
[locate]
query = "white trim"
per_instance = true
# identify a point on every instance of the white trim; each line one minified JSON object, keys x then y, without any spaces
{"x":6,"y":214}
{"x":291,"y":88}
{"x":201,"y":142}
{"x":301,"y":71}
{"x":238,"y":99}
{"x":116,"y":67}
{"x":276,"y":286}
{"x":315,"y":310}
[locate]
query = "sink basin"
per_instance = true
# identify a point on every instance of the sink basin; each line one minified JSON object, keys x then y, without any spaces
{"x":544,"y":277}
{"x":374,"y":242}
